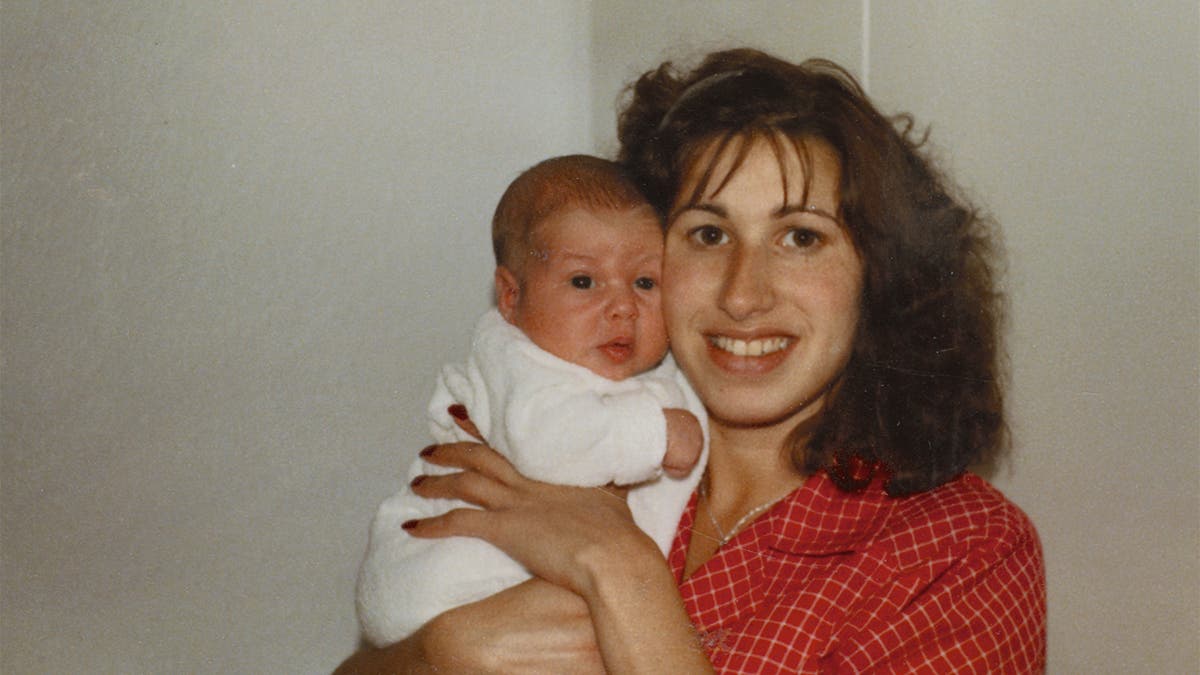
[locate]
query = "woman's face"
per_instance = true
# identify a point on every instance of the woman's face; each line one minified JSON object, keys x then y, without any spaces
{"x":761,"y":295}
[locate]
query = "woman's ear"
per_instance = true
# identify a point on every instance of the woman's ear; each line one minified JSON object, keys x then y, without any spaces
{"x":508,"y":292}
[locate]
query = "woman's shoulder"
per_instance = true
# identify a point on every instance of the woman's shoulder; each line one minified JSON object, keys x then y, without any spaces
{"x":964,"y":514}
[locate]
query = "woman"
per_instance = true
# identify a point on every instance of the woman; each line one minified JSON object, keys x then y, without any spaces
{"x":832,"y":304}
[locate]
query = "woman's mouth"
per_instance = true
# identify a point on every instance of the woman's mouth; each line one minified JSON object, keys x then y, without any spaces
{"x":758,"y":347}
{"x":749,"y":357}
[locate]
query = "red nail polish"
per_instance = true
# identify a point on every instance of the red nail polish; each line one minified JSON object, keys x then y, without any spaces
{"x":408,"y":524}
{"x":428,"y":452}
{"x":458,"y":411}
{"x":417,"y":481}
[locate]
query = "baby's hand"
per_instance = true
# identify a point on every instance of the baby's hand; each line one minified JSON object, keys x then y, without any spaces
{"x":685,"y":440}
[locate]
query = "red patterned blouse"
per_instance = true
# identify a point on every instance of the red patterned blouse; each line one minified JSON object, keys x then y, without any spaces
{"x":945,"y":581}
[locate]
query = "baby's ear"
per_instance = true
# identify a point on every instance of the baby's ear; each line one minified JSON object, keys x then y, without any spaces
{"x":508,"y":292}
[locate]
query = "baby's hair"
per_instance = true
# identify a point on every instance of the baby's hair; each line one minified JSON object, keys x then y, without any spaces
{"x":553,"y":186}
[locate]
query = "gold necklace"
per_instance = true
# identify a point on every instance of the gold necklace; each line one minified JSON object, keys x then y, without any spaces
{"x":723,"y":538}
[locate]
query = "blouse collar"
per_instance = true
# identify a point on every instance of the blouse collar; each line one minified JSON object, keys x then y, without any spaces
{"x":821,"y":519}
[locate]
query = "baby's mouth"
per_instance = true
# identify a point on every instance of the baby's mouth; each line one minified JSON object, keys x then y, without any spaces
{"x":757,"y":347}
{"x":618,"y":351}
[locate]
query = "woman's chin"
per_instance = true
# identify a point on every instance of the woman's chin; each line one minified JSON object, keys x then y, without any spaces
{"x":752,"y":412}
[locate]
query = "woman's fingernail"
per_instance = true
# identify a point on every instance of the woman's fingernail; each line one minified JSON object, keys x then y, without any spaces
{"x":417,"y":481}
{"x":409,"y":524}
{"x":428,"y":452}
{"x":458,"y":411}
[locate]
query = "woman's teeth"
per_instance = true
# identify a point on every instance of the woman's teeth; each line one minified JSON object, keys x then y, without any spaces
{"x":749,"y":347}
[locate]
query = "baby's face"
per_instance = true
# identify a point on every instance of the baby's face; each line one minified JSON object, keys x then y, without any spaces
{"x":590,"y":291}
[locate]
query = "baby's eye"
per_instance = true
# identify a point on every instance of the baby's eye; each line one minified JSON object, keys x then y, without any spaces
{"x":581,"y":281}
{"x":708,"y":235}
{"x":803,"y":238}
{"x":644,"y":283}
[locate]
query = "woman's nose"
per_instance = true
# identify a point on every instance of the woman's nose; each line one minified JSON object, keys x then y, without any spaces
{"x":747,"y":288}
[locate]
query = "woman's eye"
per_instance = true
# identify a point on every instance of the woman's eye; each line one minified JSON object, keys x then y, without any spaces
{"x":709,"y":235}
{"x":581,"y":281}
{"x":644,"y":283}
{"x":803,"y":238}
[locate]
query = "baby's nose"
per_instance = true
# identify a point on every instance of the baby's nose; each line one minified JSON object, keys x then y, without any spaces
{"x":623,"y":305}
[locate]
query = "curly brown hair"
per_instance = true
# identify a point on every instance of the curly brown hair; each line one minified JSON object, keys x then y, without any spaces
{"x":921,"y":398}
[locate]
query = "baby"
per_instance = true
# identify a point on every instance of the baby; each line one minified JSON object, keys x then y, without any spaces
{"x":566,"y":378}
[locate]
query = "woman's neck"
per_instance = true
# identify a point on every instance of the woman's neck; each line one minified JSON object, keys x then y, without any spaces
{"x":749,"y":468}
{"x":750,"y":464}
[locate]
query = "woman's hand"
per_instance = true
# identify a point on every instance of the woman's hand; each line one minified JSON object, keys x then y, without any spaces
{"x":565,"y":535}
{"x":625,"y":613}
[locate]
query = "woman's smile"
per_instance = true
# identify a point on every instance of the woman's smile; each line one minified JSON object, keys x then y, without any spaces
{"x":754,"y":347}
{"x":749,"y":356}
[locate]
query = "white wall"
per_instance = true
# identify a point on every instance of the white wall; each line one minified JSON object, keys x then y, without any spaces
{"x":1078,"y":124}
{"x":238,"y":238}
{"x":630,"y":37}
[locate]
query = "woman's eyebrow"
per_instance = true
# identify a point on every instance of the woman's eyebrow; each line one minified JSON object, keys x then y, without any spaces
{"x":788,"y":209}
{"x":715,"y":209}
{"x":785,"y":210}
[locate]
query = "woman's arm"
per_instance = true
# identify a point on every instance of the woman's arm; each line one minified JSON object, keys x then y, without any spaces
{"x":403,"y":658}
{"x":581,"y":539}
{"x":534,"y":627}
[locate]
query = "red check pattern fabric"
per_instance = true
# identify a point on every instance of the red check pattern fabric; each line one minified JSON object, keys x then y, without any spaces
{"x":946,"y":581}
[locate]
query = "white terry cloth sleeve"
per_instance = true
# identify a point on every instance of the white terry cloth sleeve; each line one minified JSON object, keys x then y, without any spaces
{"x":556,"y":421}
{"x":404,"y":582}
{"x":658,"y":505}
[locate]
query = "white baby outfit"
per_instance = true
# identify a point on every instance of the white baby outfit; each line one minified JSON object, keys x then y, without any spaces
{"x":557,"y":422}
